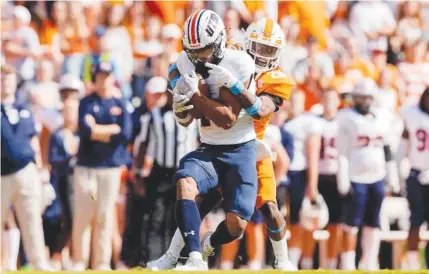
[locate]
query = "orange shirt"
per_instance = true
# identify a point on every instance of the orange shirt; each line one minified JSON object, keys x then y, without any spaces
{"x":49,"y":31}
{"x":276,"y":83}
{"x":311,"y":16}
{"x":255,"y":6}
{"x":312,"y":96}
{"x":166,"y":10}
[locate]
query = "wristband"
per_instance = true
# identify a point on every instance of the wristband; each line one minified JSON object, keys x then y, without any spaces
{"x":174,"y":81}
{"x":252,"y":110}
{"x":237,"y":88}
{"x":182,"y":120}
{"x":172,"y":67}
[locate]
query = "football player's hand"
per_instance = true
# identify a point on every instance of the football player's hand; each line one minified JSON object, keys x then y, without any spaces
{"x":179,"y":103}
{"x":223,"y":76}
{"x":188,"y":84}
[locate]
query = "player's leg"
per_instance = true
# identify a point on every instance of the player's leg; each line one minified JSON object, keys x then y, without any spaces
{"x":228,"y":253}
{"x":416,"y":201}
{"x":355,"y":211}
{"x":296,"y":191}
{"x":255,"y":241}
{"x":28,"y":209}
{"x":371,"y":229}
{"x":108,"y":182}
{"x":274,"y":219}
{"x":205,"y":203}
{"x":238,"y":164}
{"x":328,"y":189}
{"x":13,"y":236}
{"x":196,"y":175}
{"x":84,"y":205}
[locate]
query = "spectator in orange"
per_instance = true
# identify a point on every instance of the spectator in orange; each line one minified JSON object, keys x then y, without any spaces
{"x":312,"y":17}
{"x":351,"y":44}
{"x":312,"y":87}
{"x":118,"y":42}
{"x":378,"y":49}
{"x":73,"y":39}
{"x":413,"y":73}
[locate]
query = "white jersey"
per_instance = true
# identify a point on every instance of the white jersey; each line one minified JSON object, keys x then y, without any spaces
{"x":417,"y":125}
{"x":361,"y":140}
{"x":242,"y":66}
{"x":328,"y":163}
{"x":302,"y":127}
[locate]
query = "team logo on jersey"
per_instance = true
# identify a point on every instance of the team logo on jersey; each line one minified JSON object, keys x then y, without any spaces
{"x":116,"y":111}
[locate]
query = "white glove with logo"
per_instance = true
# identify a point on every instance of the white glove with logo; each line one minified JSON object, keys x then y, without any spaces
{"x":188,"y":84}
{"x":223,"y":76}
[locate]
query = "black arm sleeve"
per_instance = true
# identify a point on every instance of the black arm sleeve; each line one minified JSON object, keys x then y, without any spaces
{"x":278,"y":102}
{"x":387,"y":153}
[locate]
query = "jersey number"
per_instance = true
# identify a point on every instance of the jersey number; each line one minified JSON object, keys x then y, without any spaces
{"x":364,"y":141}
{"x":327,"y":144}
{"x":423,"y":140}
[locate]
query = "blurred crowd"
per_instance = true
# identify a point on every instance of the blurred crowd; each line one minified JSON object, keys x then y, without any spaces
{"x":55,"y":48}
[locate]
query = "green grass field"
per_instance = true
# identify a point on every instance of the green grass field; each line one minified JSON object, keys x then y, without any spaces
{"x":243,"y":271}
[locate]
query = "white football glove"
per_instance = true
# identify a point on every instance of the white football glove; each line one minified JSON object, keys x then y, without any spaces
{"x":223,"y":76}
{"x":179,"y":103}
{"x":188,"y":84}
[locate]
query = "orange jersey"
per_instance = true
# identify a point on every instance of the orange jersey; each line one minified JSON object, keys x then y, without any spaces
{"x":273,"y":82}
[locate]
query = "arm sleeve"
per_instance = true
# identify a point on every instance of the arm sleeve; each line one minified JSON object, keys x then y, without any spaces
{"x":84,"y":130}
{"x":126,"y":127}
{"x":278,"y":102}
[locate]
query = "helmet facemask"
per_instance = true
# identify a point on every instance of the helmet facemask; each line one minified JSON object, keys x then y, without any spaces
{"x":265,"y":56}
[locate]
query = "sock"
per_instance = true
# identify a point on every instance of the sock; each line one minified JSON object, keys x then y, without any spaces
{"x":294,"y":255}
{"x":226,"y":265}
{"x":177,"y":244}
{"x":255,"y":265}
{"x":221,"y":235}
{"x":331,"y":263}
{"x":307,"y":263}
{"x":280,"y":249}
{"x":371,"y":248}
{"x":413,"y":260}
{"x":348,"y":259}
{"x":13,"y":240}
{"x":189,"y":222}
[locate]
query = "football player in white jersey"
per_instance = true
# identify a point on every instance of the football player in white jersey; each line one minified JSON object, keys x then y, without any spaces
{"x":364,"y":161}
{"x":415,"y":141}
{"x":227,"y":156}
{"x":303,"y":175}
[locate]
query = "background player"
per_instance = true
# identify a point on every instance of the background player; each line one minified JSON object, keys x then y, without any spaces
{"x":415,"y":139}
{"x":303,"y":175}
{"x":364,"y":161}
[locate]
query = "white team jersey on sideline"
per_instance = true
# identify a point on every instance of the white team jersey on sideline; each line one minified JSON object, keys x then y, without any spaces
{"x":302,"y":127}
{"x":328,"y":163}
{"x":417,"y":125}
{"x":361,"y":139}
{"x":242,"y":66}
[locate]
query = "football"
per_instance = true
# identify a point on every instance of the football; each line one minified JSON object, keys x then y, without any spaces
{"x":204,"y":89}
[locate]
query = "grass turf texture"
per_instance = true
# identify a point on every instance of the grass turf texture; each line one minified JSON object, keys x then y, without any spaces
{"x":239,"y":272}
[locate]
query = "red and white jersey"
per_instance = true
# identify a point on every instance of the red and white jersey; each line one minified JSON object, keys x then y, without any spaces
{"x":413,"y":80}
{"x":417,"y":125}
{"x":328,"y":163}
{"x":241,"y":65}
{"x":361,"y":139}
{"x":302,"y":127}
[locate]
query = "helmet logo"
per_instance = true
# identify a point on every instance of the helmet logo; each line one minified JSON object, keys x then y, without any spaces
{"x":211,"y":26}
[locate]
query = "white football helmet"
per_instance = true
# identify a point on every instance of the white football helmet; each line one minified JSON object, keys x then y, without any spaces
{"x":204,"y":37}
{"x":264,"y":40}
{"x":365,"y":87}
{"x":314,"y":216}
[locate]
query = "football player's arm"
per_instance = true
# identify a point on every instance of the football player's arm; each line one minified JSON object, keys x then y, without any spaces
{"x":223,"y":114}
{"x":312,"y":147}
{"x":184,"y":118}
{"x":392,"y":175}
{"x":282,"y":163}
{"x":402,"y":154}
{"x":268,"y":103}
